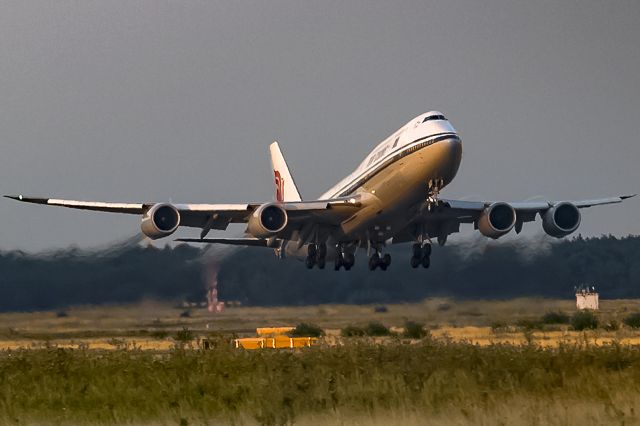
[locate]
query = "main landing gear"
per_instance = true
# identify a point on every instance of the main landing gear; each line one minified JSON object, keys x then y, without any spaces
{"x":316,"y":255}
{"x":377,"y":260}
{"x":344,"y":259}
{"x":421,"y":255}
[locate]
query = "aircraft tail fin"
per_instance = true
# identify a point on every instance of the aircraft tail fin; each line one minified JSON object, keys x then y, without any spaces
{"x":286,"y":189}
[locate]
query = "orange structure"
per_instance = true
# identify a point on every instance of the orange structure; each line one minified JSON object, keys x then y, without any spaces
{"x":275,"y":340}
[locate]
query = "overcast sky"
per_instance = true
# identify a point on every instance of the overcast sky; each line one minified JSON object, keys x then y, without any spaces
{"x":178,"y":100}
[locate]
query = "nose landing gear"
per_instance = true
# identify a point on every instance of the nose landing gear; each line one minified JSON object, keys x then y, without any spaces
{"x":421,"y":255}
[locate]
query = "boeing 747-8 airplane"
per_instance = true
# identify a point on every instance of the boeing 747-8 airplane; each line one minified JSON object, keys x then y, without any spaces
{"x":392,"y":197}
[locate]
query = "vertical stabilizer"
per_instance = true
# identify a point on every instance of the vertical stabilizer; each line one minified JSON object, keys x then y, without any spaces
{"x":286,"y":189}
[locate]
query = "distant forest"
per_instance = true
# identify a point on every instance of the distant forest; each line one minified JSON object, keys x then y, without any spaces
{"x":475,"y":268}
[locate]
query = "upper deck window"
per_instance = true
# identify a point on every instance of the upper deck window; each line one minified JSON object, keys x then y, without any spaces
{"x":433,"y":117}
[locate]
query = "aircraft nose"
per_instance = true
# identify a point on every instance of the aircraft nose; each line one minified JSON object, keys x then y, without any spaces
{"x":453,"y":158}
{"x":455,"y":148}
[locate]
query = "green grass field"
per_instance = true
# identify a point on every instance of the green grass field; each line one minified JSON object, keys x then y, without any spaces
{"x":356,"y":383}
{"x":444,"y":378}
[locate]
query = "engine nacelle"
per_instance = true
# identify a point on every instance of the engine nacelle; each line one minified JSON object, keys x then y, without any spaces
{"x":561,"y":220}
{"x":161,"y":220}
{"x":267,"y":221}
{"x":497,"y":220}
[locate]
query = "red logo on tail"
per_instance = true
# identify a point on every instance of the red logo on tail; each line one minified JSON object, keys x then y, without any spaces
{"x":279,"y":186}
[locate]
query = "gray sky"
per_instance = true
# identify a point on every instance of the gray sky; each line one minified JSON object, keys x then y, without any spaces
{"x":154,"y":101}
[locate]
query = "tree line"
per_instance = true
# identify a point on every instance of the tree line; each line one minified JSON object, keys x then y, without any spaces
{"x":474,"y":268}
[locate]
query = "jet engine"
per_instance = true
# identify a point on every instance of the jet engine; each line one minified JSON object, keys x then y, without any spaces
{"x":267,"y":221}
{"x":561,"y":220}
{"x":160,"y":220}
{"x":497,"y":220}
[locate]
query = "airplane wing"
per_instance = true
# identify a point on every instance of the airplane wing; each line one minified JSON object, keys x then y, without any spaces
{"x":467,"y":208}
{"x":193,"y":215}
{"x":218,"y":216}
{"x":530,"y":206}
{"x":446,"y":217}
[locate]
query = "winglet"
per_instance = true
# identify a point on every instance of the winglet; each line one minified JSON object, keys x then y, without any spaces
{"x":286,"y":189}
{"x":27,"y":199}
{"x":624,"y":197}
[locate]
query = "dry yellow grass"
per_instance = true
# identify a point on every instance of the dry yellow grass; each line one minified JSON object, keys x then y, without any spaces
{"x":88,"y":343}
{"x":151,"y":325}
{"x":482,"y":336}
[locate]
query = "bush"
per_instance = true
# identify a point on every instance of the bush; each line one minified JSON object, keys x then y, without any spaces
{"x":584,"y":320}
{"x":414,"y":330}
{"x":159,"y":334}
{"x":184,"y":336}
{"x":633,"y":320}
{"x":498,"y":326}
{"x":443,"y":307}
{"x":306,"y":330}
{"x":528,"y":324}
{"x":377,"y":329}
{"x":353,"y":331}
{"x":555,"y":318}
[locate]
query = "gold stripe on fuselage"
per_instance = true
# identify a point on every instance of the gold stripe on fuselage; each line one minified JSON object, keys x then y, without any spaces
{"x":402,"y":184}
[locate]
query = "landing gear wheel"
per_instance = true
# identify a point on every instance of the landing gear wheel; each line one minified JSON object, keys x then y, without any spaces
{"x":426,"y":262}
{"x":337,"y":264}
{"x":309,"y":262}
{"x":348,"y":259}
{"x":386,"y":260}
{"x":321,"y":262}
{"x":374,"y":261}
{"x":415,"y":262}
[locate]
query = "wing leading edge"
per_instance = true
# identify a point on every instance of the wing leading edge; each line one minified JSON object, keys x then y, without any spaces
{"x":535,"y":206}
{"x":217,"y":216}
{"x":445,"y":218}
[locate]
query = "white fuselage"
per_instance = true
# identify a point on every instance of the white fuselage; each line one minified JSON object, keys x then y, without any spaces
{"x":397,"y":177}
{"x":403,"y":140}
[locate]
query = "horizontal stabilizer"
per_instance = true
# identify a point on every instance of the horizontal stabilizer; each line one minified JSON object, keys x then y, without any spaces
{"x":252,"y":242}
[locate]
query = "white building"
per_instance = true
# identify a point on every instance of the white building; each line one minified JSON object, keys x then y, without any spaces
{"x":587,"y":298}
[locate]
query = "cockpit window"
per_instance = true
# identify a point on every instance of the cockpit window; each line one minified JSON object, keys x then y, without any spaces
{"x":433,"y":117}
